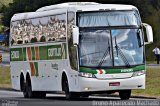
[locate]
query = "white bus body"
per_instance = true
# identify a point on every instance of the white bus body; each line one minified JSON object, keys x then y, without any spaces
{"x":78,"y":48}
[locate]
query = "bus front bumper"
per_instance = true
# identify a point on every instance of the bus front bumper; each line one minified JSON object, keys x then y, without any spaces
{"x":93,"y":84}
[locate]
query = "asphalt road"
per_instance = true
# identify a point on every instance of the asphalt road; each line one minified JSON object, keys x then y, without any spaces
{"x":15,"y":98}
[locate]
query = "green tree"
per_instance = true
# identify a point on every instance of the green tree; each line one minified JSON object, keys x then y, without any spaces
{"x":20,"y":6}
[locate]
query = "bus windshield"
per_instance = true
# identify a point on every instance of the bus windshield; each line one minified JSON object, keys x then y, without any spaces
{"x":113,"y":18}
{"x":105,"y":46}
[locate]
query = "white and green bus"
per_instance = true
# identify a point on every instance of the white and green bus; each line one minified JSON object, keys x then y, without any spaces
{"x":79,"y":49}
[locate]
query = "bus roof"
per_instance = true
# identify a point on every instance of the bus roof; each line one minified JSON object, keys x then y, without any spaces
{"x":71,"y":6}
{"x":87,"y":6}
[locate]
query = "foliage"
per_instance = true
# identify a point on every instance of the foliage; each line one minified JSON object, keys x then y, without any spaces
{"x":4,"y":3}
{"x":1,"y":29}
{"x":19,"y":6}
{"x":5,"y":81}
{"x":149,"y":11}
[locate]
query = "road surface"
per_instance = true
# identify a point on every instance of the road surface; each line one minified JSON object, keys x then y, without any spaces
{"x":15,"y":98}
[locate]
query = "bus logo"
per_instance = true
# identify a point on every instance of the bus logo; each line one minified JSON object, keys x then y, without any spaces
{"x":126,"y":70}
{"x":101,"y":71}
{"x":54,"y":52}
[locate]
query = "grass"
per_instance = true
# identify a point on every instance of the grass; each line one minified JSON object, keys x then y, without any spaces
{"x":5,"y":81}
{"x":152,"y":82}
{"x":151,"y":62}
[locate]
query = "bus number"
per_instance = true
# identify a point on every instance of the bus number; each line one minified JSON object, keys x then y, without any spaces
{"x":15,"y":54}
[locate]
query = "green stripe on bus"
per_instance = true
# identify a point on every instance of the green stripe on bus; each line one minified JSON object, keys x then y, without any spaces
{"x":65,"y":48}
{"x":112,"y":71}
{"x":24,"y":54}
{"x":88,"y":70}
{"x":33,"y":53}
{"x":43,"y":52}
{"x":49,"y":52}
{"x":36,"y":67}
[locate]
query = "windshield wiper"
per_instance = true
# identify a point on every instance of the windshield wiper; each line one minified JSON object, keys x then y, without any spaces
{"x":121,"y":54}
{"x":105,"y":54}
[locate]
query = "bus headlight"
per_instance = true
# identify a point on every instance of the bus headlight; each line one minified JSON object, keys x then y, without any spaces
{"x":138,"y":73}
{"x":88,"y":75}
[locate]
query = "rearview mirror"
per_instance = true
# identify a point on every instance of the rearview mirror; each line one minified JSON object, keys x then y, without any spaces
{"x":75,"y":35}
{"x":149,"y":33}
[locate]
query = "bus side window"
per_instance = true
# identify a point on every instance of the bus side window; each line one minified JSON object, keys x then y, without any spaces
{"x":57,"y":28}
{"x":35,"y":30}
{"x":12,"y":41}
{"x":42,"y":39}
{"x":12,"y":33}
{"x":16,"y":34}
{"x":71,"y":47}
{"x":33,"y":40}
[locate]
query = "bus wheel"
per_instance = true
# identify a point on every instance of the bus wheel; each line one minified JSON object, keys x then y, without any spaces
{"x":39,"y":94}
{"x":23,"y":86}
{"x":25,"y":93}
{"x":69,"y":95}
{"x":29,"y":88}
{"x":125,"y":94}
{"x":85,"y":95}
{"x":33,"y":94}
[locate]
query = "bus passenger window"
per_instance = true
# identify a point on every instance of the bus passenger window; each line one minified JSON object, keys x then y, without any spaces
{"x":71,"y":47}
{"x":42,"y":39}
{"x":33,"y":40}
{"x":12,"y":41}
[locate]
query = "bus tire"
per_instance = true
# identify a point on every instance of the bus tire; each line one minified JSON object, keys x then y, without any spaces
{"x":29,"y":87}
{"x":65,"y":87}
{"x":33,"y":94}
{"x":23,"y":86}
{"x":39,"y":94}
{"x":125,"y":94}
{"x":25,"y":93}
{"x":84,"y":95}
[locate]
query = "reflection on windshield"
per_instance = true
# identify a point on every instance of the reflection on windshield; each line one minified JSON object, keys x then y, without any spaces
{"x":97,"y":46}
{"x":113,"y":18}
{"x":93,"y":46}
{"x":127,"y":42}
